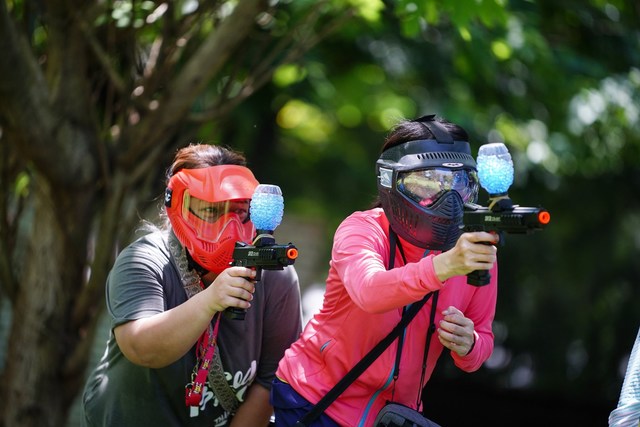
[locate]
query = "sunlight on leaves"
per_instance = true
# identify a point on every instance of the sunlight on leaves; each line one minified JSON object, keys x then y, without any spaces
{"x":465,"y":34}
{"x":21,"y":187}
{"x":288,"y":74}
{"x":368,"y":9}
{"x":501,"y":50}
{"x":616,"y":92}
{"x":305,"y":121}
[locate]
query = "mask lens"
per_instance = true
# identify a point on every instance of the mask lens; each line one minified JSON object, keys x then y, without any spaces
{"x":427,"y":185}
{"x":213,"y":220}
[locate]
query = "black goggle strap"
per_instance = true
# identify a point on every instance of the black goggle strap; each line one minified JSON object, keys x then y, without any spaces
{"x":440,"y":133}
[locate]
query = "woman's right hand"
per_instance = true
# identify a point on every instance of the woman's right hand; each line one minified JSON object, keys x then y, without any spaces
{"x":473,"y":251}
{"x":234,"y":287}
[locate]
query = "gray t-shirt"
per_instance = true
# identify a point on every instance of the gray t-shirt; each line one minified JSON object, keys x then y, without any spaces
{"x":145,"y":281}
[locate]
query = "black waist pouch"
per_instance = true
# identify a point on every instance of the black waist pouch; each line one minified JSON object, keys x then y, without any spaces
{"x":397,"y":415}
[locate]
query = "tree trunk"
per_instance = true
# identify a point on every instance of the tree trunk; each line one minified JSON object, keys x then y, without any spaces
{"x":69,"y":113}
{"x":38,"y":392}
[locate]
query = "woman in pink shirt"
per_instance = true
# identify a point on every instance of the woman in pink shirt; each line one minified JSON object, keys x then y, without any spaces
{"x":425,"y":175}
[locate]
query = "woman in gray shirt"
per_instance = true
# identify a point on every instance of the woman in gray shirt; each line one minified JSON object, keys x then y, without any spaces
{"x":173,"y":358}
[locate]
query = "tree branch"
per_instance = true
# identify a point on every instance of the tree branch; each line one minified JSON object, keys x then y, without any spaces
{"x":206,"y":62}
{"x":263,"y":72}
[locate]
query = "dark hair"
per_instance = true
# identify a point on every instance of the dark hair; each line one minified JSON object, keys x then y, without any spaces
{"x":412,"y":130}
{"x":196,"y":156}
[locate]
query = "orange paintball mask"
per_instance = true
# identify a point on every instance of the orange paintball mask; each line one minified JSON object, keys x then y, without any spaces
{"x":208,"y":209}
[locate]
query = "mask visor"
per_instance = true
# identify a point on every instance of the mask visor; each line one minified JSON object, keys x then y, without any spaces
{"x":214,"y":221}
{"x":426,"y":186}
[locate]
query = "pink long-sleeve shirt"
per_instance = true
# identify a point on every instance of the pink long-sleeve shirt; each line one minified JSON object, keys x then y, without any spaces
{"x":363,"y":301}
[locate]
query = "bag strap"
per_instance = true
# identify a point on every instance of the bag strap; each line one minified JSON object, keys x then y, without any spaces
{"x":393,"y":240}
{"x":362,"y":365}
{"x":430,"y":332}
{"x":368,"y":359}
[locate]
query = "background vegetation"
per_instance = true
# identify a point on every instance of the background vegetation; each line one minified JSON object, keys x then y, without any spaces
{"x":96,"y":96}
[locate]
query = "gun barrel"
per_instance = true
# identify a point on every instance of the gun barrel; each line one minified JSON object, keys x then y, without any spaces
{"x":518,"y":220}
{"x":271,"y":257}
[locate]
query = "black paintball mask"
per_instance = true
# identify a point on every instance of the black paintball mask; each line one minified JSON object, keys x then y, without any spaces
{"x":423,"y":186}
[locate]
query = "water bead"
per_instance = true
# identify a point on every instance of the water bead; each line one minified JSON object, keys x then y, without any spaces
{"x":267,"y":207}
{"x":495,"y":168}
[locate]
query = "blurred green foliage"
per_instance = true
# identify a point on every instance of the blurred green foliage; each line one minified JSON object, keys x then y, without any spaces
{"x":557,"y":81}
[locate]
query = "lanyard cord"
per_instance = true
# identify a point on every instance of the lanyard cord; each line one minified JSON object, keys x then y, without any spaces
{"x":193,"y":393}
{"x":193,"y":284}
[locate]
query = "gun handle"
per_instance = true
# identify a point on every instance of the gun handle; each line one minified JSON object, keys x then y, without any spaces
{"x":235,"y":313}
{"x":479,"y":278}
{"x":483,"y":277}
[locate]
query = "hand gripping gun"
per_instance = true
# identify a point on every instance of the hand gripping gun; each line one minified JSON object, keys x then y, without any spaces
{"x":495,"y":171}
{"x":265,"y":211}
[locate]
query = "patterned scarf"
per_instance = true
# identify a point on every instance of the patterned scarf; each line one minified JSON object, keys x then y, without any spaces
{"x":192,"y":285}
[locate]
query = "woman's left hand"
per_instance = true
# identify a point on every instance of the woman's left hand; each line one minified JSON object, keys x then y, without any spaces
{"x":456,"y":331}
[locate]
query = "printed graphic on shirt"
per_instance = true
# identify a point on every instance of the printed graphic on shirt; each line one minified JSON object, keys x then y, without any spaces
{"x":239,"y":382}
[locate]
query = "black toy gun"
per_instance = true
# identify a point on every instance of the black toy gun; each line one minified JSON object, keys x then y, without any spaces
{"x":266,"y":210}
{"x":264,"y":256}
{"x":495,"y":171}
